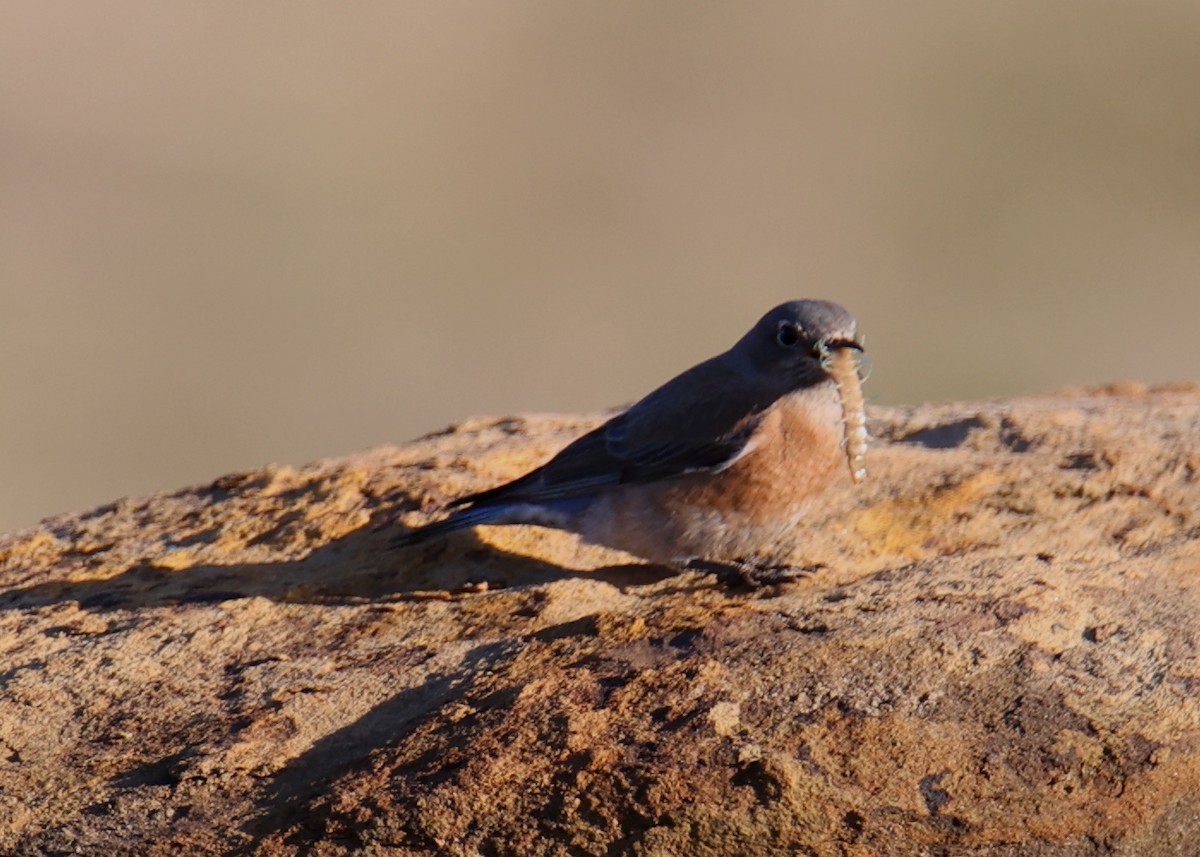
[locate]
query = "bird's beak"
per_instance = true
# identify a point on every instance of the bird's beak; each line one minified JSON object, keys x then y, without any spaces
{"x":827,"y":345}
{"x":825,"y":348}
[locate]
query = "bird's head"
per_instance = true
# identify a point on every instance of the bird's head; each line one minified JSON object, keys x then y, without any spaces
{"x":791,"y":345}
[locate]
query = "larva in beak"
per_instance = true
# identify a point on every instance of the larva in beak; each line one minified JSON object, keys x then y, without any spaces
{"x":842,"y":366}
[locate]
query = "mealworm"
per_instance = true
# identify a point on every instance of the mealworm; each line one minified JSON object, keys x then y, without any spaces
{"x":843,"y":368}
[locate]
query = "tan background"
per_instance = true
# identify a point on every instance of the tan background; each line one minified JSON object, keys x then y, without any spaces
{"x":233,"y":233}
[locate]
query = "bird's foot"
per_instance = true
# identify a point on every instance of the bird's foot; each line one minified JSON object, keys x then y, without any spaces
{"x":749,"y":574}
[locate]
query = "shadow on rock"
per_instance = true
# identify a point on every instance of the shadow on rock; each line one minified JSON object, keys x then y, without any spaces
{"x":294,"y":803}
{"x":362,"y":565}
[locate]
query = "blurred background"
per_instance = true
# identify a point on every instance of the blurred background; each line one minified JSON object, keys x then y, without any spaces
{"x":236,"y":233}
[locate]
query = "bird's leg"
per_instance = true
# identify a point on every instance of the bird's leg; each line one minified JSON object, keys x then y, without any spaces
{"x":748,"y":573}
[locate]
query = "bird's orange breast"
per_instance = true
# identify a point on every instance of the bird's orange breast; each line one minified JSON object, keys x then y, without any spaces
{"x":750,"y":506}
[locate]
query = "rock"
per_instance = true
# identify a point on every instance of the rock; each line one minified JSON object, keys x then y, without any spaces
{"x":997,"y":652}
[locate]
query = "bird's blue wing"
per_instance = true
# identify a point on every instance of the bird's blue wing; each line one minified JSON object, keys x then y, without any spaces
{"x":700,"y":421}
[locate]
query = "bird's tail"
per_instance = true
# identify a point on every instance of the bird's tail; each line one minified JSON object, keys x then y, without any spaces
{"x":556,"y":513}
{"x":460,"y":520}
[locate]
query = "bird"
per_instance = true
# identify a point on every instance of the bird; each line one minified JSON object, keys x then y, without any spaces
{"x":713,"y":469}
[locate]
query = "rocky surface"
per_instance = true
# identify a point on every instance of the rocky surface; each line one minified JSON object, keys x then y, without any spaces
{"x":997,"y":652}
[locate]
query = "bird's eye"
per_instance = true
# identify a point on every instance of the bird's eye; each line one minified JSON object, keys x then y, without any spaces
{"x":788,"y":335}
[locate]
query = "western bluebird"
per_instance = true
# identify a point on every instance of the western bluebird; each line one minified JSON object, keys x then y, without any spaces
{"x":712,"y":468}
